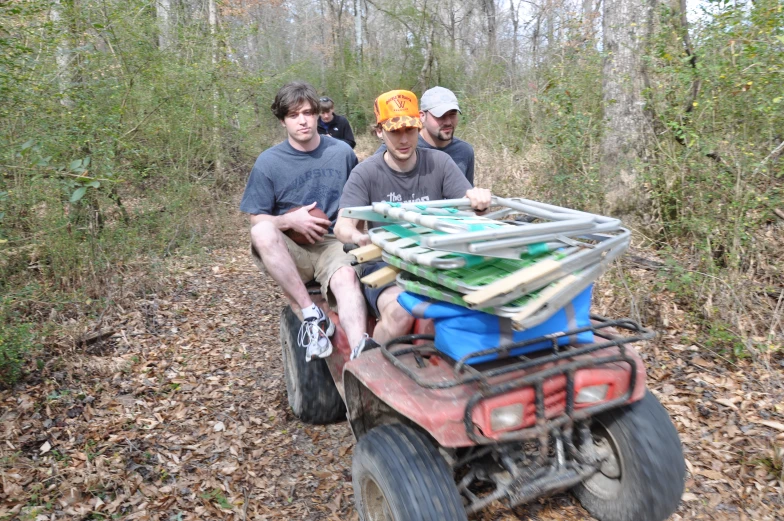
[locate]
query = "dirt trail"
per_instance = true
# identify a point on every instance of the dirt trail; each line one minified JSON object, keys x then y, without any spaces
{"x":183,"y":415}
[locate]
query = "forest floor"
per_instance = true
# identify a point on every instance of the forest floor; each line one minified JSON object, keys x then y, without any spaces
{"x":181,"y":414}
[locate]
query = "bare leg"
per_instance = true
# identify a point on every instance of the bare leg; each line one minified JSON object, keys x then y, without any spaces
{"x":351,"y":303}
{"x":395,"y":321}
{"x":268,"y":241}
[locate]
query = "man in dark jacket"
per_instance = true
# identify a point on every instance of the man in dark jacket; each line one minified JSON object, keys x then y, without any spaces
{"x":332,"y":124}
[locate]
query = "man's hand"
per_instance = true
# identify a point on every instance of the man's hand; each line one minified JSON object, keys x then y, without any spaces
{"x":480,"y":199}
{"x":348,"y":231}
{"x":360,"y":239}
{"x":313,"y":228}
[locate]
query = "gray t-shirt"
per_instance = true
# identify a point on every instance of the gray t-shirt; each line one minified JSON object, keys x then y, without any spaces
{"x":434,"y":177}
{"x":461,"y":153}
{"x":283,"y":178}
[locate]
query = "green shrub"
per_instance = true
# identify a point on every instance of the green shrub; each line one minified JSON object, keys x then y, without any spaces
{"x":17,"y":343}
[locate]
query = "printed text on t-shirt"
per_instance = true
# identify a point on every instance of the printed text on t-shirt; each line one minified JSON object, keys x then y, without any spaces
{"x":392,"y":197}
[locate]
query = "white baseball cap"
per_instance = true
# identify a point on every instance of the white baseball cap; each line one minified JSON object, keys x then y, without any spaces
{"x":438,"y":101}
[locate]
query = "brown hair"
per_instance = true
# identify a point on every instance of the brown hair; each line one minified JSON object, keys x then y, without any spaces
{"x":292,"y":95}
{"x":326,"y":104}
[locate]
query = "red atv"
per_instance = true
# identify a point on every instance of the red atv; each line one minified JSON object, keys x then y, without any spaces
{"x":439,"y":440}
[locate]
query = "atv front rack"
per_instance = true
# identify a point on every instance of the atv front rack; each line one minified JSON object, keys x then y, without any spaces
{"x":551,"y":362}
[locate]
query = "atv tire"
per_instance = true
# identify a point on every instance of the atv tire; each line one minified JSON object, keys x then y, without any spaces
{"x":643,"y":478}
{"x":312,"y":393}
{"x":399,"y":476}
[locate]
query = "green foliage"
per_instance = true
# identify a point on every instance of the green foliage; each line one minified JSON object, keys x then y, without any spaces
{"x":112,"y":160}
{"x":218,"y":497}
{"x":17,"y":342}
{"x":716,"y":186}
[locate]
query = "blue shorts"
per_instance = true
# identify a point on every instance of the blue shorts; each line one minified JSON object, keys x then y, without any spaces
{"x":372,"y":294}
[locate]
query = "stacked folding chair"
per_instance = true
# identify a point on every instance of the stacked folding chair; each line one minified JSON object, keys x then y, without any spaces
{"x":524,"y":261}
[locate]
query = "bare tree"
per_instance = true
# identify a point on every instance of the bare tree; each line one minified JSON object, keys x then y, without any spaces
{"x":358,"y":30}
{"x":627,"y":125}
{"x":65,"y":73}
{"x":212,"y":11}
{"x":514,"y":15}
{"x":489,"y":9}
{"x":163,"y":11}
{"x":590,"y":14}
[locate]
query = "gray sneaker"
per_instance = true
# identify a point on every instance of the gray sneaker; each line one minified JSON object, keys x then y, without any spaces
{"x":314,"y":336}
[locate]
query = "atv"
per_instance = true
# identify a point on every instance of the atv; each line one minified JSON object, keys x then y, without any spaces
{"x":439,"y":439}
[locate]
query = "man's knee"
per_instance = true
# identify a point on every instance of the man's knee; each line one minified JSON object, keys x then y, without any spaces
{"x":344,"y":277}
{"x":265,"y":236}
{"x":396,"y":318}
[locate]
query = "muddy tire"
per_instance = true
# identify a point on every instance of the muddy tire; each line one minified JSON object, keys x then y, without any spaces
{"x":312,"y":394}
{"x":399,"y":476}
{"x":643,"y":478}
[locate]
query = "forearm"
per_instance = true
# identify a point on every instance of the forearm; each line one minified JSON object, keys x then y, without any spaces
{"x":347,"y":231}
{"x":281,"y":222}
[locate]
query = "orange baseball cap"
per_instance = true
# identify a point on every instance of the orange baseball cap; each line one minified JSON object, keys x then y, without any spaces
{"x":397,"y":109}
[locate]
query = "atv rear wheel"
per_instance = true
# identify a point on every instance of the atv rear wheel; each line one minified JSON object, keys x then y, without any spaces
{"x":399,"y":476}
{"x":642,"y":477}
{"x":312,"y":393}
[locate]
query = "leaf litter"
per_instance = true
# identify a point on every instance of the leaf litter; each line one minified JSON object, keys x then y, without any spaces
{"x":184,"y":416}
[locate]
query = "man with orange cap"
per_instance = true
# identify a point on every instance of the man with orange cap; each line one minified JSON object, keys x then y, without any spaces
{"x":403,"y":173}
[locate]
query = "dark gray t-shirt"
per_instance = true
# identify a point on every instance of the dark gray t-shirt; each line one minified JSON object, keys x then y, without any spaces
{"x":434,"y":177}
{"x":283,"y":178}
{"x":461,"y":153}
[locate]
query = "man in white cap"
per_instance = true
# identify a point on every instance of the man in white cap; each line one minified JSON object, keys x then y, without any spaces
{"x":438,"y":111}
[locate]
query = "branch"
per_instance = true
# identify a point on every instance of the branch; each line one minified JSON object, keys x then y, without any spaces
{"x":771,"y":157}
{"x":134,"y":129}
{"x":393,"y":16}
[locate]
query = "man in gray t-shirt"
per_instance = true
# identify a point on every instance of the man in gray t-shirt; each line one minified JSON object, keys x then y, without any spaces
{"x":438,"y":112}
{"x":403,"y":173}
{"x":286,"y":182}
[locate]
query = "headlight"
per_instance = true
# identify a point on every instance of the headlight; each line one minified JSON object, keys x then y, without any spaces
{"x":506,"y":417}
{"x":592,"y":394}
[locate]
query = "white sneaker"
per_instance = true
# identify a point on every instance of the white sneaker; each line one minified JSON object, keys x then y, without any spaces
{"x":314,"y":336}
{"x":367,"y":342}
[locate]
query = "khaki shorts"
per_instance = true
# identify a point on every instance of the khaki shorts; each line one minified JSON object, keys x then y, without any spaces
{"x":314,"y":261}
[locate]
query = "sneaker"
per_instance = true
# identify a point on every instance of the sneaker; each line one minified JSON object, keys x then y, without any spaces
{"x":314,"y":336}
{"x":367,"y":342}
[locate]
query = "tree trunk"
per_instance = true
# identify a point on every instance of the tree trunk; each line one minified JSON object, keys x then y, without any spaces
{"x":216,"y":138}
{"x":65,"y":73}
{"x":163,"y":14}
{"x":535,"y":40}
{"x":627,"y":127}
{"x":515,"y":16}
{"x":358,"y":30}
{"x":488,"y":6}
{"x":589,"y":19}
{"x":425,"y":73}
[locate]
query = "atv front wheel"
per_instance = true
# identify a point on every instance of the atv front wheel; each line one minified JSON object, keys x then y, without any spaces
{"x":399,"y":476}
{"x":312,"y":393}
{"x":641,"y":478}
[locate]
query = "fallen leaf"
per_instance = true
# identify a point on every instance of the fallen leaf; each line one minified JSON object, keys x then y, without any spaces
{"x":711,"y":474}
{"x":771,"y":424}
{"x":726,"y":403}
{"x":46,"y":447}
{"x":219,"y":427}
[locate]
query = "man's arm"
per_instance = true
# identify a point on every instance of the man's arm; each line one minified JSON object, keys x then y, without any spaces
{"x":347,"y":231}
{"x":299,"y":220}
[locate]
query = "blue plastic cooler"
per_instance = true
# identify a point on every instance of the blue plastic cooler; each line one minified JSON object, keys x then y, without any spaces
{"x":461,"y":331}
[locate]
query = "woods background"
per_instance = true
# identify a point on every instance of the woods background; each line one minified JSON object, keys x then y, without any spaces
{"x":127,"y":130}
